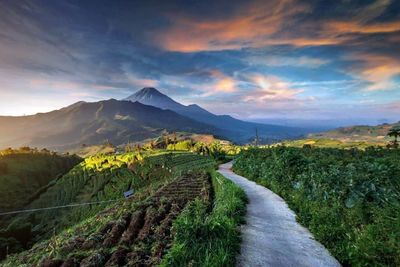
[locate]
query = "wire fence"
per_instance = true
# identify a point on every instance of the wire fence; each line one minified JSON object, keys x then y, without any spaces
{"x":58,"y":207}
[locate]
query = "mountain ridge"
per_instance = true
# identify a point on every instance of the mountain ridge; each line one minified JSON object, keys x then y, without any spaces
{"x":145,"y":114}
{"x":94,"y":122}
{"x":238,"y":130}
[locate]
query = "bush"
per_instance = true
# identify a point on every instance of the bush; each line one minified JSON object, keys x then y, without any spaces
{"x":206,"y":238}
{"x":349,"y":199}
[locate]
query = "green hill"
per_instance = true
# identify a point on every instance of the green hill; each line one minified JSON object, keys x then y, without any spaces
{"x":26,"y":173}
{"x":372,"y":134}
{"x":97,"y":178}
{"x":361,"y":136}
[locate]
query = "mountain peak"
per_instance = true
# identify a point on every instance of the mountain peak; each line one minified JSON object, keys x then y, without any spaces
{"x":149,"y":90}
{"x":151,"y":96}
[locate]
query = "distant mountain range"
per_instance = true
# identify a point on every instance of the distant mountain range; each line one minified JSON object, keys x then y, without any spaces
{"x":233,"y":129}
{"x":143,"y":115}
{"x":93,"y":123}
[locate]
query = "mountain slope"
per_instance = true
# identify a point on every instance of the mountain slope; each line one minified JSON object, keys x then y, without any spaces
{"x":93,"y":123}
{"x":84,"y":232}
{"x":359,"y":136}
{"x":358,"y":133}
{"x":234,"y":129}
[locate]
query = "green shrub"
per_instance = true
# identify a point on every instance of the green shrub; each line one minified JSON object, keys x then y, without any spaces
{"x":349,"y":199}
{"x":209,"y":238}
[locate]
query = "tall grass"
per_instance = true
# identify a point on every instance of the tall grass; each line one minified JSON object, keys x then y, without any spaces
{"x":349,"y":199}
{"x":207,"y":234}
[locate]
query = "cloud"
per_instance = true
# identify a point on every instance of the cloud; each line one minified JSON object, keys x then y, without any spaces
{"x":262,"y":23}
{"x":139,"y":82}
{"x":59,"y":53}
{"x":378,"y":70}
{"x":249,"y":28}
{"x":222,"y":83}
{"x":279,"y":61}
{"x":345,"y":27}
{"x":270,"y":88}
{"x":208,"y":83}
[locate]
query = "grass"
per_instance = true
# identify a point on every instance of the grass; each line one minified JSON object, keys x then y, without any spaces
{"x":349,"y":199}
{"x":23,"y":175}
{"x":97,"y":178}
{"x":209,"y":235}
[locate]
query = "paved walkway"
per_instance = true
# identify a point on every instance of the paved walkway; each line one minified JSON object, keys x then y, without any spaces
{"x":271,"y":236}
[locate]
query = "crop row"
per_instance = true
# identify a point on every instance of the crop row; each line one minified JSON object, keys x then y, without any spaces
{"x":139,"y":236}
{"x":349,"y":199}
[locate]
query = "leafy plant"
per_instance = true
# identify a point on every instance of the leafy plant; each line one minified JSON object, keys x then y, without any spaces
{"x":209,"y":238}
{"x":349,"y":199}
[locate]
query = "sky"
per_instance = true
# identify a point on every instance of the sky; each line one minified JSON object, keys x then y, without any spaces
{"x":281,"y":60}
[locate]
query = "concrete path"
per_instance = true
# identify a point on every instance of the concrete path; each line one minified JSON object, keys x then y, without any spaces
{"x":271,"y":236}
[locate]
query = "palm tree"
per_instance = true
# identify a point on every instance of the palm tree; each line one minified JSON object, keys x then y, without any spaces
{"x":394,"y":132}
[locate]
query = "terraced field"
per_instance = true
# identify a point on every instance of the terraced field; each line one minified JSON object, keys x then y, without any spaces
{"x":133,"y":232}
{"x":140,"y":236}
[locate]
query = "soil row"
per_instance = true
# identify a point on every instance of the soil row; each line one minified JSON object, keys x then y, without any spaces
{"x":140,"y":237}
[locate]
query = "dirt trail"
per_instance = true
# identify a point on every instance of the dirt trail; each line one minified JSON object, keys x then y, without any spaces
{"x":271,"y":236}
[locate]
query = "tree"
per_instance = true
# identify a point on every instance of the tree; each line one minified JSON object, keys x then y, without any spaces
{"x":256,"y":137}
{"x":394,"y":132}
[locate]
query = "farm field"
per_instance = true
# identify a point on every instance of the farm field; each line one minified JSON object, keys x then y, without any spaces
{"x":348,"y":199}
{"x":136,"y":231}
{"x":335,"y":143}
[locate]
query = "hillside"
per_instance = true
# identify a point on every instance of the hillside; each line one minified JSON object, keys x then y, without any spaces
{"x":361,"y":136}
{"x":25,"y":174}
{"x":234,"y":129}
{"x":98,"y":178}
{"x":94,"y":123}
{"x":176,"y":195}
{"x":358,"y":133}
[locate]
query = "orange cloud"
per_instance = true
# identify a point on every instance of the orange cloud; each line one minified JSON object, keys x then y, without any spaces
{"x":264,"y":23}
{"x":338,"y":27}
{"x":223,"y":82}
{"x":249,"y":28}
{"x":379,"y":70}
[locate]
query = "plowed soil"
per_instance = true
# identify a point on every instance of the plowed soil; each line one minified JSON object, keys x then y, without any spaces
{"x":142,"y":236}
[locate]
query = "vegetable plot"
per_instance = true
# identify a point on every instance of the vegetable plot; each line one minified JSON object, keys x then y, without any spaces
{"x":349,"y":199}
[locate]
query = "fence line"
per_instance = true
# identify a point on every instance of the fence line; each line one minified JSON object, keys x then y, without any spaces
{"x":58,"y":207}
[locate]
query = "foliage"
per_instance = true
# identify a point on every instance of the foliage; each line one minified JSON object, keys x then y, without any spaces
{"x":334,"y":143}
{"x":185,"y":145}
{"x":97,"y":178}
{"x":349,"y":199}
{"x":25,"y":174}
{"x":394,"y":132}
{"x":209,"y":238}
